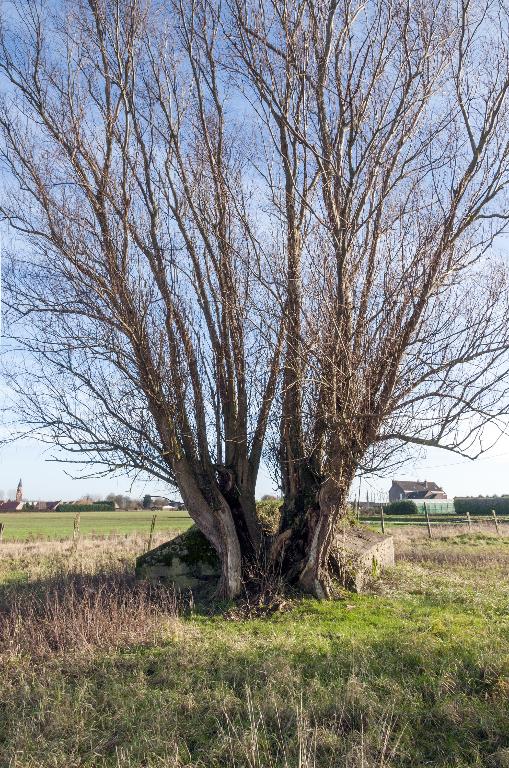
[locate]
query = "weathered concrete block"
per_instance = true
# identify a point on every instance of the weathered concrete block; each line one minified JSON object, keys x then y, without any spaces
{"x":189,"y":561}
{"x":361,"y":554}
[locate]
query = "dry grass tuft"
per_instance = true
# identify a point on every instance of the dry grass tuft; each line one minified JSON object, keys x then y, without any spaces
{"x":475,"y":547}
{"x":415,"y":533}
{"x":73,"y":600}
{"x":254,"y":746}
{"x":77,"y":613}
{"x":449,"y":557}
{"x":91,"y":554}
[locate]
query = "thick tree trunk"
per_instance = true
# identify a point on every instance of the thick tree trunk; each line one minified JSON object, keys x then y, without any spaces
{"x":242,"y":536}
{"x":239,"y":494}
{"x":302,"y":548}
{"x":230,"y":553}
{"x":220,"y":518}
{"x":315,"y":576}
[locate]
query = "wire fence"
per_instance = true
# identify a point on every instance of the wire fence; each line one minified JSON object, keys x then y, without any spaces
{"x":433,"y":515}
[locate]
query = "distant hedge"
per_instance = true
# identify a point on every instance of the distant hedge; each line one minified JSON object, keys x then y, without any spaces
{"x":97,"y":506}
{"x":481,"y":506}
{"x":403,"y":507}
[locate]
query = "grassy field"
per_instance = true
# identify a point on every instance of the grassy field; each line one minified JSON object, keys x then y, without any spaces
{"x":26,"y":526}
{"x":30,"y":526}
{"x":437,"y":520}
{"x":99,"y":671}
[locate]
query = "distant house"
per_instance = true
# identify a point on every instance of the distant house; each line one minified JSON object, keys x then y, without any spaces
{"x":161,"y":502}
{"x":414,"y":489}
{"x":11,"y":506}
{"x":47,"y":506}
{"x":30,"y":506}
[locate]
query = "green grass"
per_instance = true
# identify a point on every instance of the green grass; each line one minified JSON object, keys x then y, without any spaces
{"x":413,"y":673}
{"x":24,"y":526}
{"x":436,"y":519}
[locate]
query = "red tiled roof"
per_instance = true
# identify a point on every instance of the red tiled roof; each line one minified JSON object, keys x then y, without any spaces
{"x":10,"y":506}
{"x":415,"y":485}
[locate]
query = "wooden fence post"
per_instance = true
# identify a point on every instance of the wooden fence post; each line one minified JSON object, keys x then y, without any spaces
{"x":152,"y":528}
{"x":382,"y":520}
{"x":496,"y":521}
{"x":2,"y":527}
{"x":427,"y":519}
{"x":469,"y":521}
{"x":76,"y":528}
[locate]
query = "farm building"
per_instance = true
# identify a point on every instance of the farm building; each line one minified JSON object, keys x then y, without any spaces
{"x":161,"y":502}
{"x":415,"y":489}
{"x":46,"y":506}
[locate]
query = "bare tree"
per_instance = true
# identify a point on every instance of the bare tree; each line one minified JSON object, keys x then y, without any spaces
{"x":254,"y":216}
{"x":400,"y":318}
{"x":137,"y":284}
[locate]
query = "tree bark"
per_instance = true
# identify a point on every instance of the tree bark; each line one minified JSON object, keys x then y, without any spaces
{"x":315,"y":577}
{"x":230,"y":583}
{"x":223,"y":525}
{"x":302,"y":547}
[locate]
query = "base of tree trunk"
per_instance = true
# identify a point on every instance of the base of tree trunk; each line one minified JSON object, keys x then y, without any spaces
{"x":190,"y":562}
{"x":319,"y":586}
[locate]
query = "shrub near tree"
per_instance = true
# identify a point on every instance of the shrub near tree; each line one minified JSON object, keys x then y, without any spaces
{"x":269,"y":513}
{"x":403,"y":507}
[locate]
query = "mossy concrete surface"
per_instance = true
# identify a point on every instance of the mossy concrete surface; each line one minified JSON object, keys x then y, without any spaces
{"x":362,"y":554}
{"x":188,"y":561}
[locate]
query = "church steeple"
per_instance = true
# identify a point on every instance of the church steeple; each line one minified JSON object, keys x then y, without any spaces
{"x":19,"y":492}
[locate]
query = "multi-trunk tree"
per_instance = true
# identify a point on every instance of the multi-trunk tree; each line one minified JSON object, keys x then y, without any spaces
{"x":397,"y":116}
{"x":245,"y":220}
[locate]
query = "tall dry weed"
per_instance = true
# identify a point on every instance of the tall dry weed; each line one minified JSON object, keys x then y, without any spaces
{"x":297,"y":744}
{"x":69,"y":601}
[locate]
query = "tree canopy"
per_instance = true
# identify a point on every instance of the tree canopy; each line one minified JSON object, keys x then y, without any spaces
{"x":249,"y":227}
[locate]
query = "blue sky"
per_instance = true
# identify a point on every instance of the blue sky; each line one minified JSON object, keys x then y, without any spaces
{"x":44,"y":479}
{"x":489,"y":474}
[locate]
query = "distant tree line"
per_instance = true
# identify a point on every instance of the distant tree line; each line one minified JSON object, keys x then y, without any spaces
{"x":482,"y":505}
{"x":124,"y":502}
{"x":97,"y":506}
